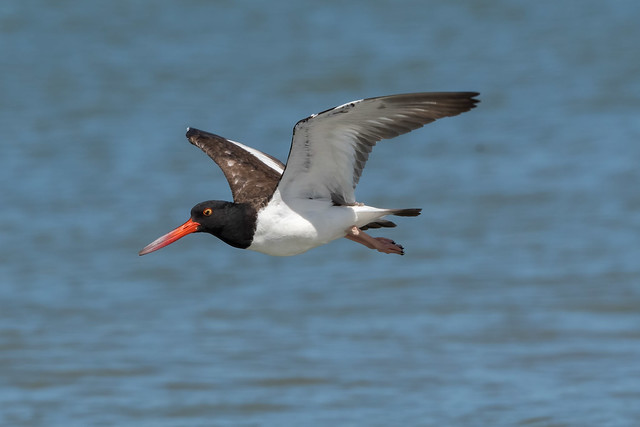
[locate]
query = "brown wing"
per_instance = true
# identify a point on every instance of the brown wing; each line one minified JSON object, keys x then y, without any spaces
{"x":252,"y":174}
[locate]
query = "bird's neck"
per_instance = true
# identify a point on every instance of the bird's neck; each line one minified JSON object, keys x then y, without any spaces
{"x":237,"y":225}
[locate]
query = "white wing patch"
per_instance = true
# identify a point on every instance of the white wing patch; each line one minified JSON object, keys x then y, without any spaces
{"x":330,"y":149}
{"x":260,"y":156}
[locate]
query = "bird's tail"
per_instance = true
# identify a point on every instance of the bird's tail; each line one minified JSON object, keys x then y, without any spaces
{"x":374,"y":216}
{"x":405,"y":212}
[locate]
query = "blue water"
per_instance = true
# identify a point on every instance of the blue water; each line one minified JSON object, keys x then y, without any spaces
{"x":517,"y":303}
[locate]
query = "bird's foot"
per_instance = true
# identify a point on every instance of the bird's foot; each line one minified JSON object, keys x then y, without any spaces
{"x":381,"y":244}
{"x":388,"y":246}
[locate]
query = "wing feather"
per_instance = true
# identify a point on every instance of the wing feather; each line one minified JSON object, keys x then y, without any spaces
{"x":252,"y":174}
{"x":330,"y":149}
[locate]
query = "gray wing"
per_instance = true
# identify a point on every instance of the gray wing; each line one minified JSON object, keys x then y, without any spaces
{"x":330,"y":149}
{"x":252,"y":174}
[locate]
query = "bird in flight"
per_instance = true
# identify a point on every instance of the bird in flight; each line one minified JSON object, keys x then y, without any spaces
{"x":285,"y":210}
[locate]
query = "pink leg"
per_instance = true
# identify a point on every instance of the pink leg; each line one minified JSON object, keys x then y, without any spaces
{"x":381,"y":244}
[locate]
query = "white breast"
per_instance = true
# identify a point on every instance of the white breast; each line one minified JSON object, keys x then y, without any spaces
{"x":292,"y":227}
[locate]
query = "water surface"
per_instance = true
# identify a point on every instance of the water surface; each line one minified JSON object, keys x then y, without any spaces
{"x":518,"y":302}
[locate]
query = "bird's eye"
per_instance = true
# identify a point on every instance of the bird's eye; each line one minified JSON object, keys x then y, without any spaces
{"x":207,"y":212}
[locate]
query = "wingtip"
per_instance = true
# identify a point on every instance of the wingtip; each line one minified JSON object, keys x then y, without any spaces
{"x":467,"y":101}
{"x":472,"y":98}
{"x":469,"y":95}
{"x":191,"y":132}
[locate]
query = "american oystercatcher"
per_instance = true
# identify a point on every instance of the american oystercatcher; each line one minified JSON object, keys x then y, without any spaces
{"x":287,"y":210}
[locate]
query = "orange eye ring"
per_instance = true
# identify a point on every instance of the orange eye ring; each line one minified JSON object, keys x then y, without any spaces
{"x":207,"y":212}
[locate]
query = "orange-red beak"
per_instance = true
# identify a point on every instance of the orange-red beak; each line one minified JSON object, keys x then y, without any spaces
{"x":186,"y":228}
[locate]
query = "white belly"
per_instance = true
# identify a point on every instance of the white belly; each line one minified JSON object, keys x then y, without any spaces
{"x":295,"y":226}
{"x":285,"y":230}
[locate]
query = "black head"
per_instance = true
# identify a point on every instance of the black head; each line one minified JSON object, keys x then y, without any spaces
{"x":234,"y":223}
{"x":210,"y":215}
